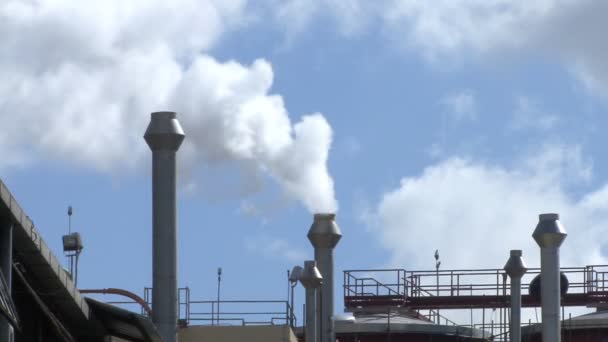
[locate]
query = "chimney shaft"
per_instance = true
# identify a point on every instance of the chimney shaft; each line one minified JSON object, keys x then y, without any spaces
{"x":312,"y":280}
{"x":549,"y":235}
{"x":515,"y":268}
{"x":324,"y":235}
{"x":164,"y":137}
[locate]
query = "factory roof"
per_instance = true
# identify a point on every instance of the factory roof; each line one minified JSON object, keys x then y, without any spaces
{"x":594,"y":320}
{"x":399,"y":323}
{"x":43,"y":268}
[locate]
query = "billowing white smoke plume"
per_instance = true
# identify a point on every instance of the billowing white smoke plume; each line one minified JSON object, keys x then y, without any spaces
{"x":79,"y":79}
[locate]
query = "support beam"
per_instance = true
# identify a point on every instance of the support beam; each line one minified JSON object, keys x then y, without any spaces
{"x":6,"y":265}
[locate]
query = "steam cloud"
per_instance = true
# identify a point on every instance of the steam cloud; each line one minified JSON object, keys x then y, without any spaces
{"x":79,"y":79}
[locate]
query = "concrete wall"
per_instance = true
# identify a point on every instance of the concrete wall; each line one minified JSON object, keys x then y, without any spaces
{"x":267,"y":333}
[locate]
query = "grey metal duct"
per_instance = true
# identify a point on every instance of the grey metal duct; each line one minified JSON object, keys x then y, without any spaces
{"x":311,"y":279}
{"x":549,"y":235}
{"x":164,"y":137}
{"x":6,"y":265}
{"x":324,"y":235}
{"x":515,"y":268}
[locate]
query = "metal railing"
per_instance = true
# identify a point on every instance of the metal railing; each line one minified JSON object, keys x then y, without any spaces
{"x":223,"y":312}
{"x":231,"y":312}
{"x":480,"y":282}
{"x":361,"y":286}
{"x":376,"y":289}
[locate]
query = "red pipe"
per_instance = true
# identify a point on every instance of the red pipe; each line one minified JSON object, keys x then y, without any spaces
{"x":124,"y":293}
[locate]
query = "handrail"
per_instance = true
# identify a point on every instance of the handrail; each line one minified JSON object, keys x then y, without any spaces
{"x":414,"y":283}
{"x":271,"y":312}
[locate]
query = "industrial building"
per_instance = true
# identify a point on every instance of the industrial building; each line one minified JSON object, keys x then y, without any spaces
{"x":39,"y":299}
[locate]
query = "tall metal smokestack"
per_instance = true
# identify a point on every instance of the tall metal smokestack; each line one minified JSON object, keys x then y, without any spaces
{"x":164,"y":137}
{"x":549,"y":235}
{"x":312,"y":280}
{"x":515,"y":268}
{"x":324,"y":235}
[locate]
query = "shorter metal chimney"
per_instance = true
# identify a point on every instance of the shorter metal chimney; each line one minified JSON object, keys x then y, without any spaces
{"x":311,"y":279}
{"x":515,"y":268}
{"x":324,"y":235}
{"x":549,"y":235}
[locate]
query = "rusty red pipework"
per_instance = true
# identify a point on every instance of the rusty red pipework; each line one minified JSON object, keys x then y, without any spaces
{"x":124,"y":293}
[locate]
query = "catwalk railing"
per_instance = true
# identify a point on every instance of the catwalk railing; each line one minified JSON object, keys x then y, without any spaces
{"x":223,"y":312}
{"x":234,"y":312}
{"x":463,"y":289}
{"x":438,"y":290}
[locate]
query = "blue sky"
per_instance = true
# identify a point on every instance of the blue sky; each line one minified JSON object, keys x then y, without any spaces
{"x":452,"y":126}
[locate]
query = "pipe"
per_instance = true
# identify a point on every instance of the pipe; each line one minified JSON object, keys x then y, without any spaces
{"x":137,"y":299}
{"x":164,"y":137}
{"x":324,"y":235}
{"x":311,"y":279}
{"x":6,"y":265}
{"x":515,"y":268}
{"x":549,"y":235}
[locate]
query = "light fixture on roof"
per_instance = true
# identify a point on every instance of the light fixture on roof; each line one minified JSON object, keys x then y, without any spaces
{"x":72,"y":247}
{"x":293,"y":277}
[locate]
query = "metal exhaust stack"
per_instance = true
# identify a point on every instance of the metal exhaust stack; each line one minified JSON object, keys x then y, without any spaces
{"x":312,"y":280}
{"x":515,"y":268}
{"x":324,"y":235}
{"x":164,"y":137}
{"x":549,"y":235}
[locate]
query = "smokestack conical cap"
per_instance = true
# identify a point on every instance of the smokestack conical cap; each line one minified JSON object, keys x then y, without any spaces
{"x":515,"y":266}
{"x":164,"y":132}
{"x":549,"y":231}
{"x":311,"y":277}
{"x":324,"y":232}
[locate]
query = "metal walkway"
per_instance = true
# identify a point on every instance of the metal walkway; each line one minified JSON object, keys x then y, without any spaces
{"x":463,"y":289}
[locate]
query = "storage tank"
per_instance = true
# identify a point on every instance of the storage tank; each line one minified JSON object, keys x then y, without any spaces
{"x":399,"y":327}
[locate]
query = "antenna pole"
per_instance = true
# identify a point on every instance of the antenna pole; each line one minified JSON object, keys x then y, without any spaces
{"x":437,"y":264}
{"x":70,"y":256}
{"x":69,"y":219}
{"x":219,"y":281}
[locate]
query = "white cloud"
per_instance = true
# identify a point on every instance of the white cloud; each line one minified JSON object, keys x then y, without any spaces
{"x":275,"y":248}
{"x":461,"y":105}
{"x":78,"y":81}
{"x":448,"y":31}
{"x":474,"y":213}
{"x":296,"y":16}
{"x":564,"y":30}
{"x":527,"y":115}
